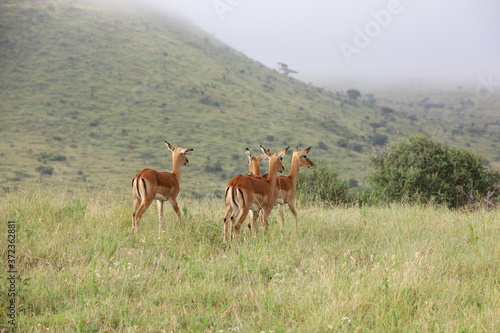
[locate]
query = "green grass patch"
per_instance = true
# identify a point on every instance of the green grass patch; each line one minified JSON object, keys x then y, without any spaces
{"x":390,"y":268}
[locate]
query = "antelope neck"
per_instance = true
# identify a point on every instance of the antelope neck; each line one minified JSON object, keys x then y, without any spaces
{"x":273,"y":170}
{"x":294,"y":170}
{"x":176,"y":168}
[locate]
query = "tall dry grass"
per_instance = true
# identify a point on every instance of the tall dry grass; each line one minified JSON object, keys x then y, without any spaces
{"x":395,"y":268}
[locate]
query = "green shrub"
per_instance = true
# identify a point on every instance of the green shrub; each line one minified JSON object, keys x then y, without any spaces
{"x":342,"y":143}
{"x":206,"y":100}
{"x":353,"y":182}
{"x":386,"y":109}
{"x":58,"y":158}
{"x":94,"y":123}
{"x":357,"y":147}
{"x":322,"y":183}
{"x":322,"y":145}
{"x":353,"y":94}
{"x":45,"y":170}
{"x":216,"y":167}
{"x":379,"y":139}
{"x":44,"y":157}
{"x":421,"y":170}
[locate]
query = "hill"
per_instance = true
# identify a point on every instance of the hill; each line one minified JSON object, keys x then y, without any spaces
{"x":89,"y":92}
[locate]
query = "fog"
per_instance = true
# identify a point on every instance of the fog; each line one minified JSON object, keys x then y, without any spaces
{"x":446,"y":41}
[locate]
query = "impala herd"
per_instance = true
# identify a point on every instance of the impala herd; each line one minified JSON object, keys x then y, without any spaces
{"x":250,"y":194}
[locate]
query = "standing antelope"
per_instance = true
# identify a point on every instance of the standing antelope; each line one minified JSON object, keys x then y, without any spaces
{"x":245,"y":193}
{"x":254,"y":163}
{"x":286,"y":185}
{"x":253,"y":170}
{"x":149,"y":184}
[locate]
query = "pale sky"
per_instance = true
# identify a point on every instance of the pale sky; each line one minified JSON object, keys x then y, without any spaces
{"x":432,"y":41}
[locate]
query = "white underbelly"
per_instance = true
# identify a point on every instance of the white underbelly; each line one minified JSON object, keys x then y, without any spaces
{"x":160,"y":197}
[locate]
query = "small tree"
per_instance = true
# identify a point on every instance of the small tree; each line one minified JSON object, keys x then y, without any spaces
{"x":353,"y":94}
{"x":375,"y":126}
{"x":45,"y":170}
{"x":379,"y":139}
{"x":386,"y":110}
{"x":322,"y":184}
{"x":421,"y":170}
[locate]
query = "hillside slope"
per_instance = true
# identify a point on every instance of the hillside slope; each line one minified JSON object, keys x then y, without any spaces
{"x":89,"y":92}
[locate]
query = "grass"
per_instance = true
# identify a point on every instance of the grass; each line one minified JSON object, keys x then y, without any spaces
{"x":388,"y":268}
{"x":90,"y":90}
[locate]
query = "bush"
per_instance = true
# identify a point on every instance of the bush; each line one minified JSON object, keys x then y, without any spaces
{"x":58,"y":158}
{"x":357,"y":147}
{"x":353,"y":182}
{"x":386,"y":109}
{"x":421,"y":170}
{"x":45,"y":170}
{"x":342,"y":143}
{"x":94,"y":123}
{"x":206,"y":100}
{"x":353,"y":94}
{"x":322,"y":183}
{"x":379,"y":139}
{"x":217,"y":167}
{"x":44,"y":157}
{"x":322,"y":145}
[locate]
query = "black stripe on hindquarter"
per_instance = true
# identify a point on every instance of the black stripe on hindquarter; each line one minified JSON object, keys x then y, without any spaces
{"x":145,"y":188}
{"x":242,"y":197}
{"x":233,"y":199}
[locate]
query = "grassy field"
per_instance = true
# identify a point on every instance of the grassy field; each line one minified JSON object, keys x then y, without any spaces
{"x":387,"y":269}
{"x":88,"y":93}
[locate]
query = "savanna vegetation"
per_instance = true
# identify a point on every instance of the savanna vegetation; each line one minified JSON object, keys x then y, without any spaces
{"x":395,"y":267}
{"x":89,"y":91}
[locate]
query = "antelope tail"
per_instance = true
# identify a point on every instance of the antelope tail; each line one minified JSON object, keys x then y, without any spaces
{"x":141,"y":191}
{"x":234,"y":196}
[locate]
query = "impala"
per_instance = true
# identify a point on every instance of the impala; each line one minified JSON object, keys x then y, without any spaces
{"x":245,"y":193}
{"x":253,"y":170}
{"x":286,"y":185}
{"x":254,"y":163}
{"x":149,"y":184}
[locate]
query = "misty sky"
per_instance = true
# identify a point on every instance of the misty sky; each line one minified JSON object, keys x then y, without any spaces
{"x":432,"y":41}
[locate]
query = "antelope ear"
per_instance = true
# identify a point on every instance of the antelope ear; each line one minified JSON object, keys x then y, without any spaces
{"x":169,"y":146}
{"x":261,"y":157}
{"x":186,"y":150}
{"x":307,"y":150}
{"x":283,"y":151}
{"x":296,"y":149}
{"x":248,"y":153}
{"x":265,"y":151}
